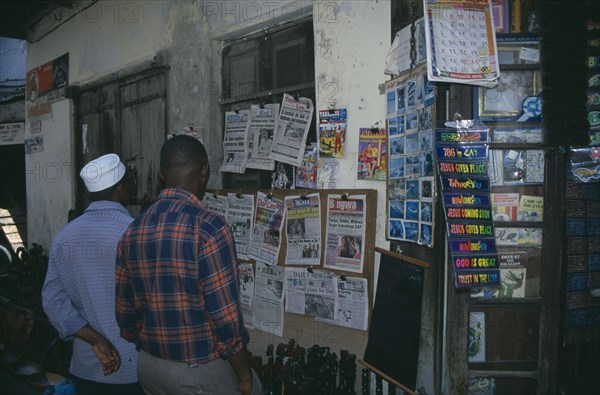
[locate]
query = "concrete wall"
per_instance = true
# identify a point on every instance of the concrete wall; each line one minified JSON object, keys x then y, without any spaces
{"x":101,"y":39}
{"x":351,"y":42}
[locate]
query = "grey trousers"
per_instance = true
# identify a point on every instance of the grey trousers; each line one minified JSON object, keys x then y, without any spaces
{"x":159,"y":376}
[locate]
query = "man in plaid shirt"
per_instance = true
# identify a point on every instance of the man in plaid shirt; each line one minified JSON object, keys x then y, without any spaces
{"x":177,"y":293}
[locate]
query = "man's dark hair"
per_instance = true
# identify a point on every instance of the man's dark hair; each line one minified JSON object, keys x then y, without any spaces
{"x":182,"y":151}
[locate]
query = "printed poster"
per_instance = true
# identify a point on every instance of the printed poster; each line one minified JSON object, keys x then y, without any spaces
{"x":411,"y":183}
{"x":332,"y":133}
{"x":372,"y":154}
{"x":307,"y":172}
{"x":476,"y":346}
{"x":461,"y":42}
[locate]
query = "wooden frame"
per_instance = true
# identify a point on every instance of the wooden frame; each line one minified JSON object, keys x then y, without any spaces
{"x":505,"y":101}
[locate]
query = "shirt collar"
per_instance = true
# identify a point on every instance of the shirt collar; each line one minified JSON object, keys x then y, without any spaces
{"x":176,"y":193}
{"x":103,"y":205}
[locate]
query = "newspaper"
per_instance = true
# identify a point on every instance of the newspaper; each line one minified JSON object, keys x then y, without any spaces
{"x":235,"y":145}
{"x":261,"y":128}
{"x":246,"y":279}
{"x":268,"y":299}
{"x":303,"y":230}
{"x":240,"y":215}
{"x":353,"y":303}
{"x":216,"y":203}
{"x":345,"y":232}
{"x":292,"y":129}
{"x":266,"y":232}
{"x":312,"y":293}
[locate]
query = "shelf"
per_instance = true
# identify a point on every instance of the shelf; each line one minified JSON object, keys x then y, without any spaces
{"x":503,"y":302}
{"x":504,"y":373}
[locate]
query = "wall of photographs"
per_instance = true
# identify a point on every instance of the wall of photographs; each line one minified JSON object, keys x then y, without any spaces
{"x":411,"y":184}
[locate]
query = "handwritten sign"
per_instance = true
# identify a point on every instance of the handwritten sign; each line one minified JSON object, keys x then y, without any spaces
{"x":465,"y":246}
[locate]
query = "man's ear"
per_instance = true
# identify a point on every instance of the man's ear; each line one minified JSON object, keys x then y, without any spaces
{"x":206,"y":170}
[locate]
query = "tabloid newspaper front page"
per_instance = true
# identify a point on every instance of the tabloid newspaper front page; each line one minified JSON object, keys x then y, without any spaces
{"x":266,"y":232}
{"x":292,"y":129}
{"x":261,"y":128}
{"x":216,"y":203}
{"x":235,"y":145}
{"x":240,"y":215}
{"x":353,"y":304}
{"x":268,"y":299}
{"x":345,"y":240}
{"x":246,"y":279}
{"x":303,"y":229}
{"x":312,"y":293}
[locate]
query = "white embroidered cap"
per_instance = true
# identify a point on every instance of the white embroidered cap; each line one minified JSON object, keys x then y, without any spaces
{"x":103,"y":172}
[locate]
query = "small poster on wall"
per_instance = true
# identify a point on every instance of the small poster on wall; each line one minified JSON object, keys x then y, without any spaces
{"x":411,"y":185}
{"x":332,"y":133}
{"x":476,"y":346}
{"x":372,"y":154}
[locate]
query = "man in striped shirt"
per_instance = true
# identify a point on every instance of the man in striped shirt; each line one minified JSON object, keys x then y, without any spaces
{"x":177,"y":293}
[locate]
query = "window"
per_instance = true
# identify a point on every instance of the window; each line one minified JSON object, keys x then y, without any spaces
{"x":259,"y":69}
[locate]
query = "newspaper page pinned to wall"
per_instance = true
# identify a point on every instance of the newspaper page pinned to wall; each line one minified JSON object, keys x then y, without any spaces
{"x":268,"y":299}
{"x":246,"y":279}
{"x":311,"y":293}
{"x":345,"y":240}
{"x":461,"y":42}
{"x":261,"y":129}
{"x":266,"y":232}
{"x":292,"y":129}
{"x":240,"y":215}
{"x":216,"y":203}
{"x":303,"y":229}
{"x":307,"y":172}
{"x":235,"y":145}
{"x":353,"y":304}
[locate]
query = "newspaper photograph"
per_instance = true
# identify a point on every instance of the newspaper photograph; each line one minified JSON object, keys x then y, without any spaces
{"x":266,"y":232}
{"x":353,"y":303}
{"x":261,"y":128}
{"x":246,"y":279}
{"x":303,"y":230}
{"x":345,"y":232}
{"x":234,"y":141}
{"x":240,"y":215}
{"x":292,"y":129}
{"x":216,"y":203}
{"x":311,"y":292}
{"x":268,"y":299}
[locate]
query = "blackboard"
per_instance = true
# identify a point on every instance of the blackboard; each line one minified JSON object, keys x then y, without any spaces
{"x":395,"y":331}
